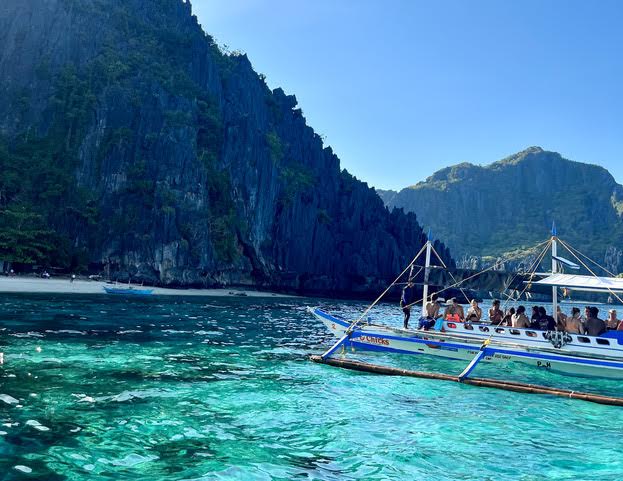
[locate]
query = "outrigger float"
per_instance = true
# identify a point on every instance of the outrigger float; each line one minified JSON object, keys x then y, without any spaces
{"x":556,"y":351}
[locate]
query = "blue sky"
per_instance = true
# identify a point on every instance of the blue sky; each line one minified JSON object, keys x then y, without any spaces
{"x":402,"y":88}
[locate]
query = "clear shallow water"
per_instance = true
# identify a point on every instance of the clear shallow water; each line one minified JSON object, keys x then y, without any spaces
{"x":202,"y":389}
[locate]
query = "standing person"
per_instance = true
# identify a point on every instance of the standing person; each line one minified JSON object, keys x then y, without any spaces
{"x":519,"y":319}
{"x":474,"y":313}
{"x":406,"y":300}
{"x":495,"y":313}
{"x":574,"y":324}
{"x":454,"y":311}
{"x":594,"y":325}
{"x":612,"y":322}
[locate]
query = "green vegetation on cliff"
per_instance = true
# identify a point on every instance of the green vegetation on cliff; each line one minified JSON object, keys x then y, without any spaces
{"x":132,"y":144}
{"x":509,"y":206}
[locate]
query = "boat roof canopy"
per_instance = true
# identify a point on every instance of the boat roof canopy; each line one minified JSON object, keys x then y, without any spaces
{"x":583,"y":283}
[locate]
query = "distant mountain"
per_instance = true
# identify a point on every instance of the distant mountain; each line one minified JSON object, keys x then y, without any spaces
{"x":484,"y":213}
{"x":130,"y":144}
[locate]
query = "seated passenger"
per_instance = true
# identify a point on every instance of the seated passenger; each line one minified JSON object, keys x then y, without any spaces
{"x":474,"y":313}
{"x":433,"y":307}
{"x":561,"y":317}
{"x":534,"y":319}
{"x":574,"y":324}
{"x":454,"y":311}
{"x":612,"y":322}
{"x":519,"y":319}
{"x":594,"y":325}
{"x":546,"y":322}
{"x":507,"y":319}
{"x":495,"y":313}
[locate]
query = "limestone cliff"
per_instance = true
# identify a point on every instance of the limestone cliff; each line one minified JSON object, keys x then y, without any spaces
{"x":130,"y":144}
{"x":483,"y":213}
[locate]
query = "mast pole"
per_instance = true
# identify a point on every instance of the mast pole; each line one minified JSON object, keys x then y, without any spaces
{"x":554,"y":271}
{"x":426,"y":274}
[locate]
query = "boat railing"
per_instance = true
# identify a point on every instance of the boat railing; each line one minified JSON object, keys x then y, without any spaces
{"x":487,"y":329}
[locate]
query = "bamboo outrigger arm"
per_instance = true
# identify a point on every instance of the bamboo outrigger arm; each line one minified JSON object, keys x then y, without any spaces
{"x":480,"y":382}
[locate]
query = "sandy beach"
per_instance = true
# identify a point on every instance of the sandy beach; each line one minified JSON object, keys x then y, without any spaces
{"x":63,"y":286}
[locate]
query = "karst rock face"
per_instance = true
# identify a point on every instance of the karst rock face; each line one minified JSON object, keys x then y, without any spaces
{"x":143,"y":151}
{"x":486,"y":214}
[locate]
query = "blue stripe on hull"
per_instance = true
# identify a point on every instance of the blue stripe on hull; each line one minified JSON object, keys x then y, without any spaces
{"x":446,"y":346}
{"x":451,"y":346}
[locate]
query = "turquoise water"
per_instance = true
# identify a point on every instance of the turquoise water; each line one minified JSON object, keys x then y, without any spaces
{"x":201,"y":389}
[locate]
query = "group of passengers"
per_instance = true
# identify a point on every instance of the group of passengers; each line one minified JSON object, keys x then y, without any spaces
{"x":589,"y":324}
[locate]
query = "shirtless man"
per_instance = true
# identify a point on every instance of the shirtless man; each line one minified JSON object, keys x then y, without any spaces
{"x":432,"y":308}
{"x":519,"y":319}
{"x":574,"y":324}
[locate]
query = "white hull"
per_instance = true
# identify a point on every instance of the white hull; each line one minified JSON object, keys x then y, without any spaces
{"x":576,"y":358}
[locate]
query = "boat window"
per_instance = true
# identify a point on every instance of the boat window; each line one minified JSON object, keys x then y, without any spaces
{"x":451,"y":325}
{"x":499,"y":330}
{"x":603,"y":342}
{"x":468,"y":327}
{"x":530,"y":333}
{"x":584,"y":339}
{"x":515,"y":332}
{"x":483,"y":328}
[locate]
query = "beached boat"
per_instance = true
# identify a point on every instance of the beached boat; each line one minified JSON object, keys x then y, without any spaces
{"x":580,"y":355}
{"x":128,"y":291}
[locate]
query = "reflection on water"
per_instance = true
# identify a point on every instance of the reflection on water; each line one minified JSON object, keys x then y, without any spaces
{"x":154,"y":389}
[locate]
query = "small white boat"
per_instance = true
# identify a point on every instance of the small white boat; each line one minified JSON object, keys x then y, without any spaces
{"x":127,"y":290}
{"x":575,"y":354}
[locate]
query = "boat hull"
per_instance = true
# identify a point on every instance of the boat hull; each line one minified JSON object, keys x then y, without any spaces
{"x":128,"y":292}
{"x":452,"y":346}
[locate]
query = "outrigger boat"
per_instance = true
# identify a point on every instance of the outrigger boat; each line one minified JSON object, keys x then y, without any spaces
{"x":579,"y":355}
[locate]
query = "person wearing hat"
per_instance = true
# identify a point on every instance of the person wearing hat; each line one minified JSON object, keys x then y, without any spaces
{"x":454,"y":311}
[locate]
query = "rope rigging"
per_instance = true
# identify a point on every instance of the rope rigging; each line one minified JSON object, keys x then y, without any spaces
{"x":556,"y":340}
